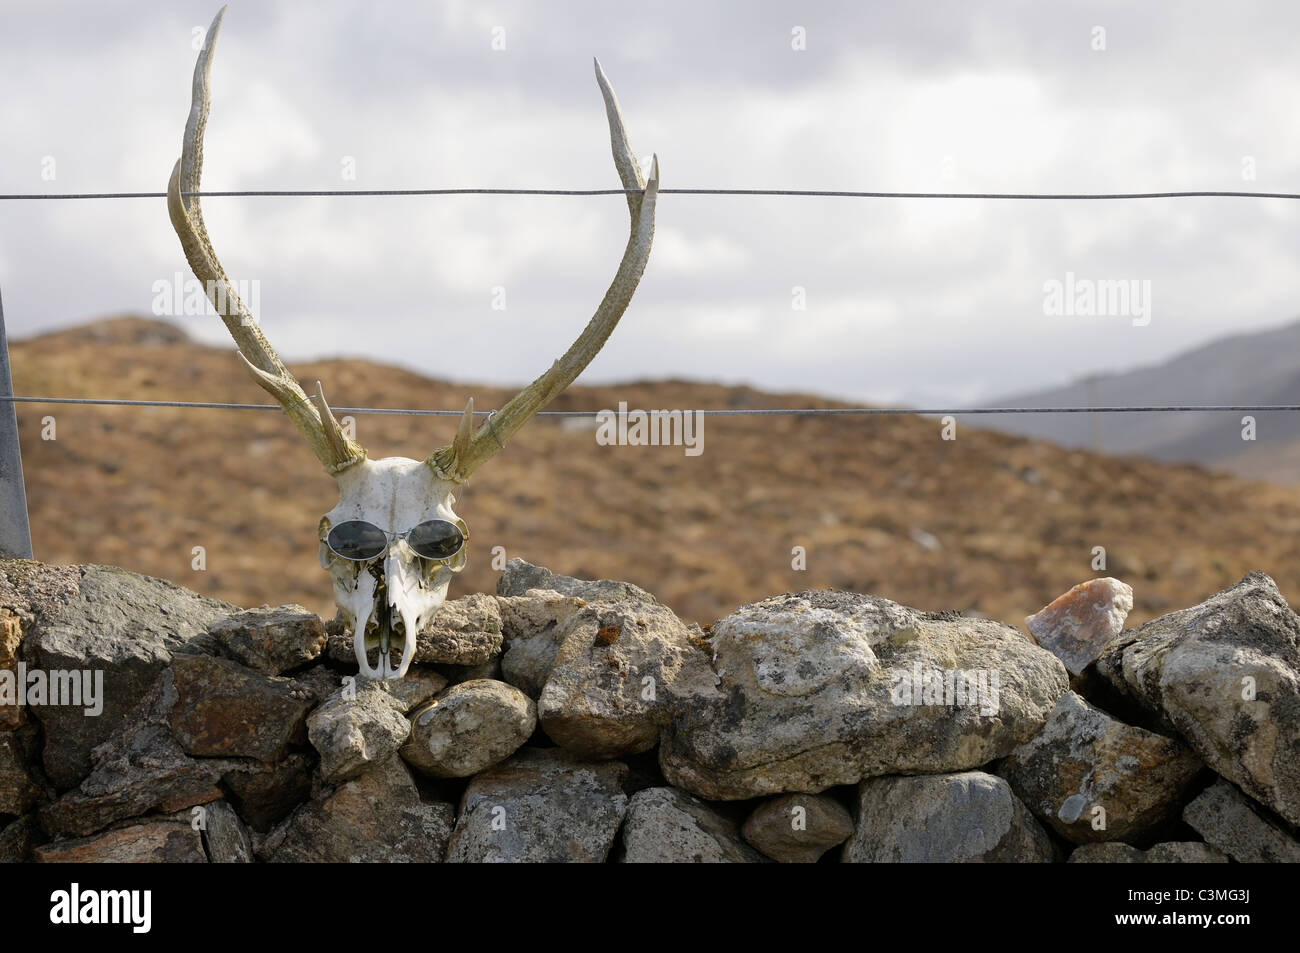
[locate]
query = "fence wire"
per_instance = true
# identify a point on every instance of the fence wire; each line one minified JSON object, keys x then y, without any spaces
{"x":734,"y":412}
{"x":727,"y":412}
{"x":799,"y":193}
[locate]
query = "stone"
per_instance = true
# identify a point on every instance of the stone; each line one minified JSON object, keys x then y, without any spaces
{"x":667,"y":826}
{"x":798,"y":828}
{"x":1185,"y":852}
{"x":541,"y":806}
{"x":469,"y":728}
{"x":533,"y":626}
{"x":139,"y":770}
{"x":270,"y":640}
{"x":415,"y":688}
{"x":353,"y":730}
{"x":465,"y":631}
{"x":157,"y":776}
{"x":620,"y":670}
{"x":1226,"y":676}
{"x":18,"y":838}
{"x":1084,"y":760}
{"x":152,"y":842}
{"x":224,"y":710}
{"x":1170,"y":852}
{"x":1228,"y":820}
{"x":34,"y":591}
{"x":969,"y":817}
{"x":224,"y":835}
{"x":315,"y":683}
{"x":12,"y":714}
{"x":18,"y":790}
{"x":825,"y":688}
{"x":126,"y":625}
{"x":419,"y":685}
{"x":377,"y":817}
{"x":263,"y":794}
{"x":520,"y":576}
{"x":1076,"y":626}
{"x":1107,"y":852}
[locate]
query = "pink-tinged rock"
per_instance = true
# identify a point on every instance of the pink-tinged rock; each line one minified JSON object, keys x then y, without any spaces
{"x":1077,"y":626}
{"x":162,"y":841}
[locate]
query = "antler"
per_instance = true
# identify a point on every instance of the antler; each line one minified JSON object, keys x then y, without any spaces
{"x":470,"y":450}
{"x":334,"y":450}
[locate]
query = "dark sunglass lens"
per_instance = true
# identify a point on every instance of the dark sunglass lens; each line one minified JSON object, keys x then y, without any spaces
{"x":357,"y":539}
{"x":436,"y":539}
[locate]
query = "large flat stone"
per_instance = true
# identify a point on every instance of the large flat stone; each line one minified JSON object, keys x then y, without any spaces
{"x":129,"y":627}
{"x":825,"y":688}
{"x":152,"y":842}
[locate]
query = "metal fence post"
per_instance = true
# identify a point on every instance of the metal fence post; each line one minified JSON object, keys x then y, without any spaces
{"x":15,"y":533}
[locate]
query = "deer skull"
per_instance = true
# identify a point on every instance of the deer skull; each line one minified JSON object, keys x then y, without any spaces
{"x":386,"y":600}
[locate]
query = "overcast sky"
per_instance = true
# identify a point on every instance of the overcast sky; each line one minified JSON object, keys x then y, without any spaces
{"x":907,"y":301}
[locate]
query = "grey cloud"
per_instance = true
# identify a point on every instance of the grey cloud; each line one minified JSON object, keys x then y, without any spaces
{"x":951,"y":299}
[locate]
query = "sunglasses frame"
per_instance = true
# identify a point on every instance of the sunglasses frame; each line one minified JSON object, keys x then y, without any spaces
{"x":390,"y":536}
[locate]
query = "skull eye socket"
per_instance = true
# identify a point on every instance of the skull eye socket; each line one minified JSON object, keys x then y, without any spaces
{"x":357,"y":540}
{"x":435,"y":539}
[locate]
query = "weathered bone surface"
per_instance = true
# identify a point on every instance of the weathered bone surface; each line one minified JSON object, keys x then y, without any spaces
{"x":387,"y":601}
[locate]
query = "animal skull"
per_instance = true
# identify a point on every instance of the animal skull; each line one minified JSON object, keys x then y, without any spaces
{"x":386,"y":601}
{"x":398,"y":593}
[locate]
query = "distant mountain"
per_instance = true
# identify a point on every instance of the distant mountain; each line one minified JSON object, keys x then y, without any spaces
{"x":1258,"y":368}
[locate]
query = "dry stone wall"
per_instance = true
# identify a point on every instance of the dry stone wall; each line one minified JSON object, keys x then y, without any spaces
{"x":571,"y":720}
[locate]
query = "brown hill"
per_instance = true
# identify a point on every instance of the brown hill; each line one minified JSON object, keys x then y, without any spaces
{"x":990,"y":523}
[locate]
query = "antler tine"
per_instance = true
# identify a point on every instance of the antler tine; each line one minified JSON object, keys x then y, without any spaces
{"x":334,"y":450}
{"x":463,"y":458}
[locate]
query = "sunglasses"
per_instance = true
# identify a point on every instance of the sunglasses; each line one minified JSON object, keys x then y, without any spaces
{"x":361,"y":541}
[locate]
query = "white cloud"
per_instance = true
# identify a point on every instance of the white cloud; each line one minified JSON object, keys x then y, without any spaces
{"x":923,"y":300}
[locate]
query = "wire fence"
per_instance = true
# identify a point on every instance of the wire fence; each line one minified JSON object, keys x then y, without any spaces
{"x":725,"y":412}
{"x":797,"y":193}
{"x":15,"y":537}
{"x":732,"y":412}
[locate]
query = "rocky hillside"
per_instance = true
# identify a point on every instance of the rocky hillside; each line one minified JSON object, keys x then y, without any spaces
{"x":563,"y":720}
{"x":987,"y":523}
